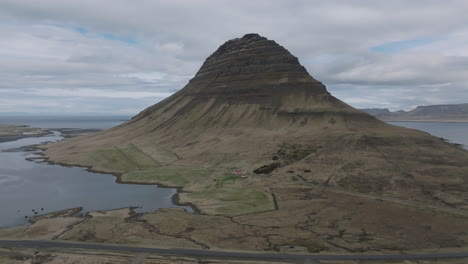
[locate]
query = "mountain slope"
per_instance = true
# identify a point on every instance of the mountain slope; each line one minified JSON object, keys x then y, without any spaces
{"x":248,"y":85}
{"x":253,"y":106}
{"x":251,"y":82}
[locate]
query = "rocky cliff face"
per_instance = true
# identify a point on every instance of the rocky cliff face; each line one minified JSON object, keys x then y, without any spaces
{"x":252,"y":82}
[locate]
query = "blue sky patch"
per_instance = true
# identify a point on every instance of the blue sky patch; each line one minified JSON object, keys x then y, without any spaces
{"x":108,"y":36}
{"x":81,"y":30}
{"x":117,"y":38}
{"x":402,"y":45}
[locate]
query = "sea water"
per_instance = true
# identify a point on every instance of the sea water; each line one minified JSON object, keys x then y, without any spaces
{"x":29,"y":186}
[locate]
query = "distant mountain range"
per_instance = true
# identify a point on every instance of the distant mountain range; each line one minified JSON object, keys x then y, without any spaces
{"x":439,"y":113}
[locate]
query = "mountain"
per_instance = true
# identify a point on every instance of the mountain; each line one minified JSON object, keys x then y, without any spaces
{"x":437,"y":113}
{"x":320,"y":174}
{"x":249,"y":82}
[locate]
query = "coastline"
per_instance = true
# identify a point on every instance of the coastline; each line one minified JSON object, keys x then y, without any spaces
{"x":16,"y":132}
{"x":118,"y":179}
{"x":68,"y":133}
{"x":175,"y":227}
{"x":8,"y":138}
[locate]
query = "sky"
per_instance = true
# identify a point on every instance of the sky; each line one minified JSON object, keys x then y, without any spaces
{"x":118,"y":57}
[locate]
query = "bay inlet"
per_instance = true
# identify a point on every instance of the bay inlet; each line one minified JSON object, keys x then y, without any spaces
{"x":31,"y":187}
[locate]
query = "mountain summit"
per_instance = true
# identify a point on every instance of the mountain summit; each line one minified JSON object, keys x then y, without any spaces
{"x":251,"y":82}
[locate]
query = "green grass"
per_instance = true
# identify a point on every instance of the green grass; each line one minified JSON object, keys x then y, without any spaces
{"x":139,"y":157}
{"x":30,"y":129}
{"x":112,"y":159}
{"x":123,"y":159}
{"x":226,"y":179}
{"x":138,"y":167}
{"x":173,"y":176}
{"x":235,"y":201}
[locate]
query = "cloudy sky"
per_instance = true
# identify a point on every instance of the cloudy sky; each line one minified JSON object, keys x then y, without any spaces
{"x":118,"y":57}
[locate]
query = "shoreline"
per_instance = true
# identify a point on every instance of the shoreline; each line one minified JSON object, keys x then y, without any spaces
{"x":175,"y":198}
{"x":10,"y":132}
{"x":175,"y":226}
{"x":40,"y":156}
{"x":8,"y":138}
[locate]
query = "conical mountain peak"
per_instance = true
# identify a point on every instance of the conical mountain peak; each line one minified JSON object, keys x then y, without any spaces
{"x":250,"y":54}
{"x":250,"y":82}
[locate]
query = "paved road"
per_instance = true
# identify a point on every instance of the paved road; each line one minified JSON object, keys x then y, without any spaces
{"x":225,"y":254}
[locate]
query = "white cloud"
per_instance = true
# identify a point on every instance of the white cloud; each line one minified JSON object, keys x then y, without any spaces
{"x":86,"y":92}
{"x":171,"y":47}
{"x":140,"y":49}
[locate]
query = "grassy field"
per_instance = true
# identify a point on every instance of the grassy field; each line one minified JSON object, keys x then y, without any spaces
{"x":233,"y":200}
{"x":170,"y":176}
{"x":124,"y":160}
{"x":215,"y":189}
{"x":14,"y":130}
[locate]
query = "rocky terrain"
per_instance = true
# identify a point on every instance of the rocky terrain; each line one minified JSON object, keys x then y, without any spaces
{"x":328,"y":177}
{"x":434,"y":113}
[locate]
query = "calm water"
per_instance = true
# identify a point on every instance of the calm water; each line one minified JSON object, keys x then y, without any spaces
{"x":86,"y":122}
{"x":454,"y":132}
{"x":27,"y":185}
